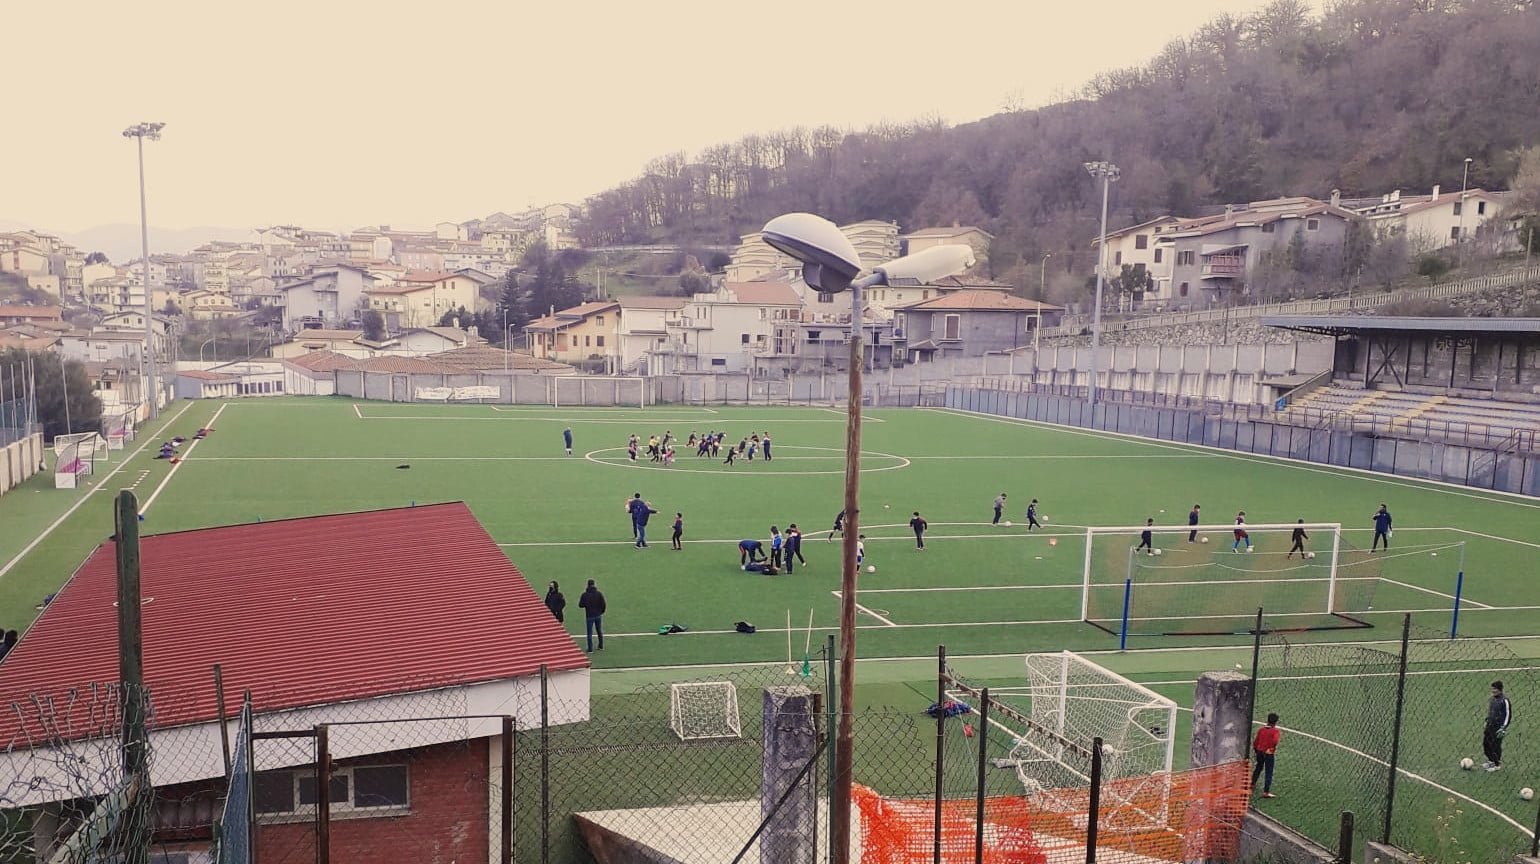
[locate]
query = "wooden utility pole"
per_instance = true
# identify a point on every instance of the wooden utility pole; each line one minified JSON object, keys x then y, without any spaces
{"x":136,"y":742}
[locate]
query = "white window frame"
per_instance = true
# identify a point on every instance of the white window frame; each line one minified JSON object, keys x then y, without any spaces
{"x":338,"y":808}
{"x":947,"y":330}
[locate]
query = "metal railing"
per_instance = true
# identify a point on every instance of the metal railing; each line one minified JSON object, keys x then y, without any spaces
{"x":1076,"y":325}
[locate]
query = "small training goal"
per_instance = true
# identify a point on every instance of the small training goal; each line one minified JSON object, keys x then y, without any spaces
{"x":76,"y":456}
{"x":704,"y":710}
{"x":118,"y":427}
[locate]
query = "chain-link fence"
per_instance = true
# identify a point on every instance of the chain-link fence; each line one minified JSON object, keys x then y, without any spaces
{"x":1405,"y":735}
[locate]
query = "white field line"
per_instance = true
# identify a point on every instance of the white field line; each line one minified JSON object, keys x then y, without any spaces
{"x":1493,"y":496}
{"x":357,"y":412}
{"x":1079,"y":585}
{"x":145,"y":508}
{"x":692,"y":413}
{"x":1067,"y":456}
{"x":387,"y":459}
{"x":1479,"y":534}
{"x":509,"y":416}
{"x":1431,"y":591}
{"x":84,"y":498}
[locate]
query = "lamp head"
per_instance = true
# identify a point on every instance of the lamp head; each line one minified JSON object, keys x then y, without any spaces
{"x":928,"y":265}
{"x":829,"y":260}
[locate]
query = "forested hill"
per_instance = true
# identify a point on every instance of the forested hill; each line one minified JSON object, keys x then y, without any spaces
{"x":1373,"y":95}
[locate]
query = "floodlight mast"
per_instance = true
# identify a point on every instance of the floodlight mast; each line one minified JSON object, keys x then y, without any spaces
{"x":1107,"y":172}
{"x":139,"y":132}
{"x":830,"y":264}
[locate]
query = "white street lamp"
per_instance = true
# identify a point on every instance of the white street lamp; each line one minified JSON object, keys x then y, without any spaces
{"x":1108,"y":172}
{"x":139,"y":132}
{"x":830,"y":264}
{"x":1042,"y":291}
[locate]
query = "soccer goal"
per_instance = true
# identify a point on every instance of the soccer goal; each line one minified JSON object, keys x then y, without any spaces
{"x":76,"y":456}
{"x":118,"y":428}
{"x":1210,"y":580}
{"x":704,"y":710}
{"x":1068,"y":703}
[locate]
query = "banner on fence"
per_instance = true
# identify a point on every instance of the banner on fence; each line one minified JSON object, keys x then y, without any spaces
{"x":455,"y":394}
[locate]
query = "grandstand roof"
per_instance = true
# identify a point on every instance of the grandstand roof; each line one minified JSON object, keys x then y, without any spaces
{"x":1339,"y":324}
{"x":304,"y":612}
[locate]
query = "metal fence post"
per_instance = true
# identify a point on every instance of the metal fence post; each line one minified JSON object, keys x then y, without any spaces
{"x":505,"y":855}
{"x":1256,"y":664}
{"x":323,"y":795}
{"x":1345,"y":839}
{"x":545,"y":766}
{"x":978,"y":814}
{"x":1093,"y":817}
{"x":940,"y":748}
{"x":1395,"y":730}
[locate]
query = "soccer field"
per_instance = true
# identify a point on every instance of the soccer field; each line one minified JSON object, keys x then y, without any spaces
{"x":989,"y":593}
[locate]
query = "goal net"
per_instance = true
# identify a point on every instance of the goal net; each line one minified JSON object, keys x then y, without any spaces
{"x":1054,"y":721}
{"x":76,"y":456}
{"x":1211,"y":580}
{"x":118,"y":428}
{"x":704,"y":710}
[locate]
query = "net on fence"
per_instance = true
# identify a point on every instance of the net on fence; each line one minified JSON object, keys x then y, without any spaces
{"x":1202,"y":822}
{"x":233,"y":832}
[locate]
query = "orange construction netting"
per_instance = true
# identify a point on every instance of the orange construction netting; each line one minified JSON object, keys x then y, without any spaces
{"x":1190,"y":816}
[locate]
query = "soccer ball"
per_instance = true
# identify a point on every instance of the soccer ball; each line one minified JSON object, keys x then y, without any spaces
{"x":1309,"y":554}
{"x":1053,"y":541}
{"x":1250,"y":549}
{"x":871,"y":568}
{"x":1527,"y":793}
{"x":887,"y":506}
{"x":1202,"y":539}
{"x":1155,"y":552}
{"x":1007,"y":523}
{"x":1467,"y":763}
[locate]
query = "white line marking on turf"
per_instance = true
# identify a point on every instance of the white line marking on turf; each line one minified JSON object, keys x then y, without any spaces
{"x":1431,"y":591}
{"x":145,"y":508}
{"x":634,"y":421}
{"x":1477,"y":534}
{"x":1495,"y":496}
{"x":359,"y":413}
{"x":386,"y":459}
{"x":84,"y":498}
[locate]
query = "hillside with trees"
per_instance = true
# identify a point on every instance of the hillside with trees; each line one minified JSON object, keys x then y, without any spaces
{"x":1368,"y":97}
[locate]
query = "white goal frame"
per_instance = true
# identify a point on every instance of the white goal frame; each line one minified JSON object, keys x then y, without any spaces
{"x":1092,"y":532}
{"x":695,"y":695}
{"x":86,"y":448}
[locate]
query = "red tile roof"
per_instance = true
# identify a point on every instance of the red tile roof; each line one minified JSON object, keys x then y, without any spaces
{"x":306,"y":611}
{"x":204,"y":375}
{"x":980,"y":300}
{"x":31,"y":313}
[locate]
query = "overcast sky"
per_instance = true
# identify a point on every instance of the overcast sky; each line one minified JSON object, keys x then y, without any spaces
{"x":337,"y":114}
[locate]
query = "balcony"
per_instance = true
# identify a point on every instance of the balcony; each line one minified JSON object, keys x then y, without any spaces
{"x":1224,"y":266}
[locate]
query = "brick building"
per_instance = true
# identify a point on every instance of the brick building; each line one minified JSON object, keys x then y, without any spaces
{"x":406,"y":632}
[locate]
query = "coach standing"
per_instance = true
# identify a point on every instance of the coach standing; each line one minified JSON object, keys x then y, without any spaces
{"x":1499,"y":714}
{"x":592,"y":604}
{"x":1381,"y":529}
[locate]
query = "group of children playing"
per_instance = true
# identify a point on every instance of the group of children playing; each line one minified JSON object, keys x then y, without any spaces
{"x":709,"y":444}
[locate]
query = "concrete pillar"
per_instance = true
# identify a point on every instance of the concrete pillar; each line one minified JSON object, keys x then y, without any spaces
{"x":45,"y":831}
{"x":790,"y":741}
{"x":1220,"y":734}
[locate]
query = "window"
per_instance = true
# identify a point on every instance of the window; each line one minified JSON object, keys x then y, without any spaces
{"x":1142,"y":241}
{"x":1312,"y":224}
{"x":1186,"y":258}
{"x":1269,"y":227}
{"x":952,"y":327}
{"x":899,"y":323}
{"x":1459,"y":207}
{"x":719,"y":361}
{"x":588,"y":341}
{"x":1117,"y":257}
{"x":599,"y":341}
{"x":1454,"y":232}
{"x":824,"y":297}
{"x":1481,"y":208}
{"x":925,"y":295}
{"x":745,"y":338}
{"x":812,"y":335}
{"x":1184,"y":289}
{"x":599,"y":320}
{"x":360,"y":788}
{"x":1158,"y":255}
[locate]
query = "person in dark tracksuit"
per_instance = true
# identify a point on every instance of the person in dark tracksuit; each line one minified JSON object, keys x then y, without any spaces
{"x":793,"y":551}
{"x":555,"y":602}
{"x":1192,"y":522}
{"x":999,"y":508}
{"x":1299,"y":541}
{"x":919,"y":525}
{"x":766,"y":442}
{"x":777,"y":542}
{"x":566,"y":437}
{"x":1381,"y":529}
{"x":1032,"y":515}
{"x":839,"y":527}
{"x":640,"y":511}
{"x":678,"y":530}
{"x":592,"y":604}
{"x":1499,"y":715}
{"x":1147,"y":538}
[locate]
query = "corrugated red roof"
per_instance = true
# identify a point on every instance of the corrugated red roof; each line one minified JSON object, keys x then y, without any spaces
{"x":304,"y":611}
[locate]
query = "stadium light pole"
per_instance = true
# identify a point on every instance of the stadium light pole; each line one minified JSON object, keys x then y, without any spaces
{"x":830,"y":264}
{"x":1464,"y":181}
{"x":1108,"y":172}
{"x":1042,"y":290}
{"x":139,"y":132}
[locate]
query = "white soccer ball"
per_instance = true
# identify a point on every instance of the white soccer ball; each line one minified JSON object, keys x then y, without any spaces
{"x":887,"y":506}
{"x":1156,"y":551}
{"x":1251,"y":548}
{"x":1007,"y":523}
{"x":1309,"y":554}
{"x":871,"y":568}
{"x":1527,"y":793}
{"x":1467,"y":763}
{"x":1202,"y":539}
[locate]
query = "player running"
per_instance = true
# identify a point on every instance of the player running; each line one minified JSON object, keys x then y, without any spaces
{"x":999,"y":508}
{"x":1299,"y":538}
{"x":1147,"y":538}
{"x":1032,"y":522}
{"x":1241,"y":535}
{"x":839,"y":527}
{"x":919,"y":525}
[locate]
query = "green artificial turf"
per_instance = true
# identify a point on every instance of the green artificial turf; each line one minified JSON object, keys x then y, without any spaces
{"x":561,"y":518}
